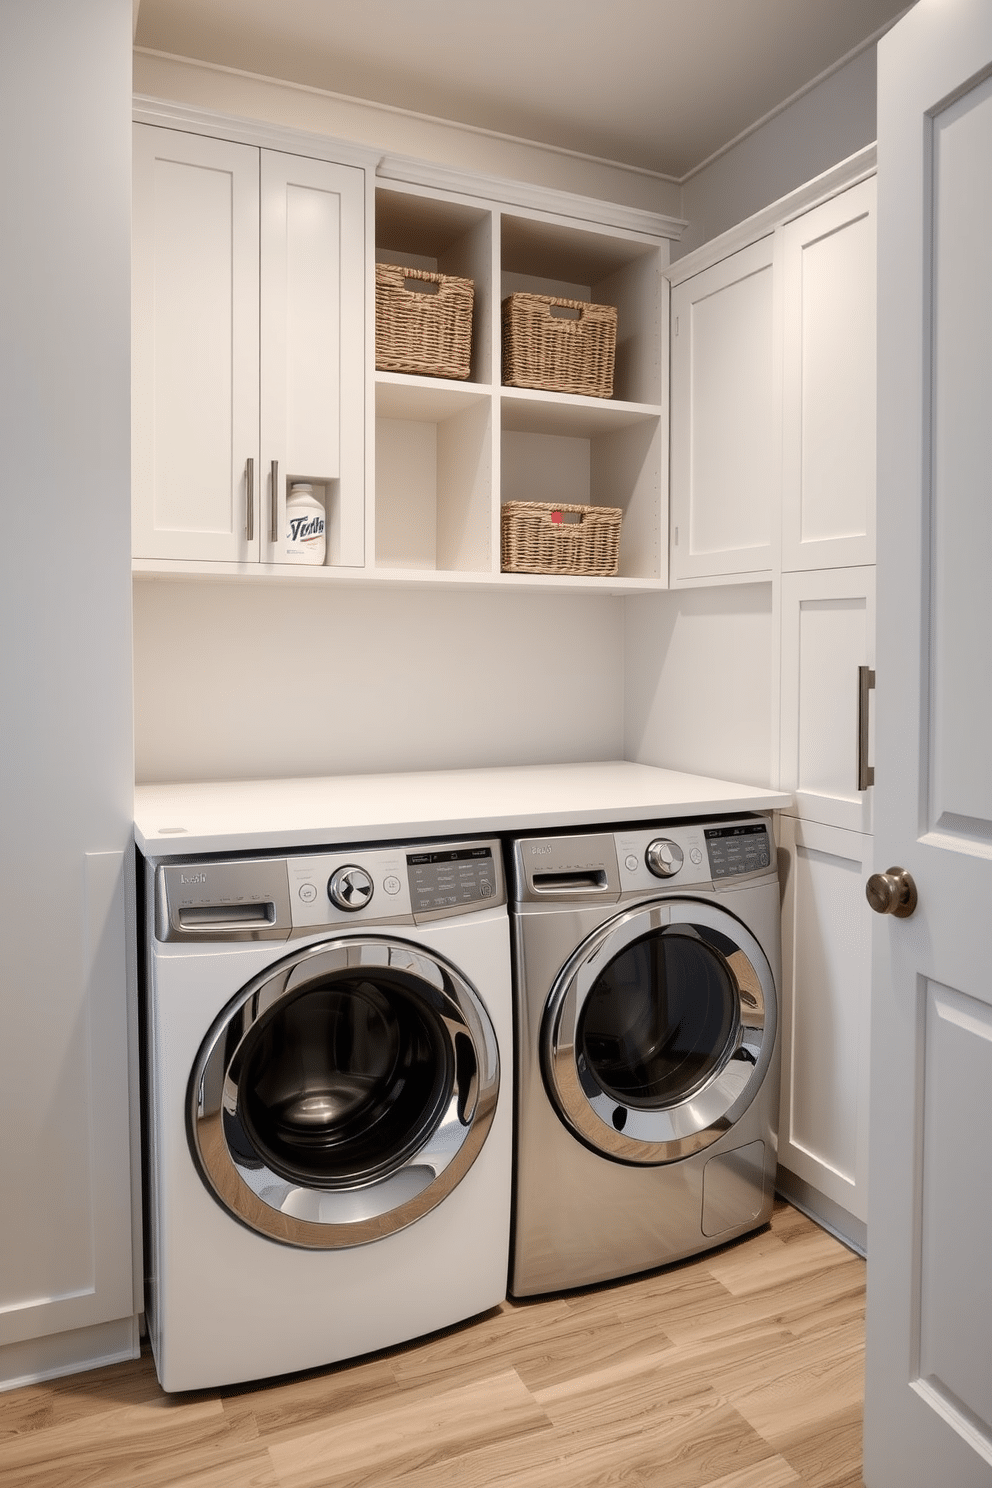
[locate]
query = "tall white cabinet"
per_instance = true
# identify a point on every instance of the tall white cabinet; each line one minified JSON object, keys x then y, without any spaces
{"x":827,"y":670}
{"x":773,"y":472}
{"x":70,"y":1285}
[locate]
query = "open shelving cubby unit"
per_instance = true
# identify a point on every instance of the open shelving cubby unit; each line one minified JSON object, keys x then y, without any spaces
{"x":434,"y":435}
{"x":449,"y":453}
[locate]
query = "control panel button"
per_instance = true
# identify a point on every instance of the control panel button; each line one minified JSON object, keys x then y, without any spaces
{"x":696,"y":856}
{"x":663,"y":857}
{"x":350,"y":887}
{"x":631,"y":862}
{"x":391,"y":884}
{"x":307,"y":892}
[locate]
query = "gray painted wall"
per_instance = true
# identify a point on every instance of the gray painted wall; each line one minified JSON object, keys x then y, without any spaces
{"x":830,"y":122}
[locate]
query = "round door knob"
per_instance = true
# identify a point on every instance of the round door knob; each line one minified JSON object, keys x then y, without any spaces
{"x":663,"y":857}
{"x":892,"y":892}
{"x":349,"y":887}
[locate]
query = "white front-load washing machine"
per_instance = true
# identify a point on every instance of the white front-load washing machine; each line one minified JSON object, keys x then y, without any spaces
{"x":647,"y":963}
{"x":328,"y":1068}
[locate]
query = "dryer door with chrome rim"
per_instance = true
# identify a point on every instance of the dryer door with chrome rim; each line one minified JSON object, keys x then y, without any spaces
{"x":344,"y":1092}
{"x":659,"y":1030}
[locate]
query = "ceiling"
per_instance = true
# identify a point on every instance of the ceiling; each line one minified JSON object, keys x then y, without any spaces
{"x":658,"y":84}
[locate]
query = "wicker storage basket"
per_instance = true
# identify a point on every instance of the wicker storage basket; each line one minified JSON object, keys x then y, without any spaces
{"x":538,"y":537}
{"x":425,"y":332}
{"x":562,"y":354}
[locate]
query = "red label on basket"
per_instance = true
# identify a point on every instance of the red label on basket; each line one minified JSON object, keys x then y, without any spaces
{"x":556,"y":517}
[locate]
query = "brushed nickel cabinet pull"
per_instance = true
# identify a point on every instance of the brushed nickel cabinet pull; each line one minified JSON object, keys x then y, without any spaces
{"x":274,"y":504}
{"x":866,"y":772}
{"x":250,"y":488}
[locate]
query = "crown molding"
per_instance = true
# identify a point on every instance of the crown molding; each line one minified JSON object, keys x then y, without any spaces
{"x":849,"y":172}
{"x":514,"y":193}
{"x":147,"y":110}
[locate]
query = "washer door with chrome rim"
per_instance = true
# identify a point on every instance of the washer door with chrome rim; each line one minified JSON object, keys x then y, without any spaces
{"x":658,"y":1031}
{"x":344,"y":1092}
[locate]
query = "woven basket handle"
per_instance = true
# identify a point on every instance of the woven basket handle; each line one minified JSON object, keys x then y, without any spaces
{"x":414,"y":284}
{"x":566,"y":312}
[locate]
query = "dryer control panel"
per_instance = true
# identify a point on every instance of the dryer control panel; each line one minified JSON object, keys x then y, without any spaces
{"x":278,"y":897}
{"x":605,"y":866}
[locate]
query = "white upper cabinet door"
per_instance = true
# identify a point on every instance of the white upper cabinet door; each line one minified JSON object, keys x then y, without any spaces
{"x":312,"y":345}
{"x":828,"y":398}
{"x":726,"y":418}
{"x":195,"y":346}
{"x":828,"y":657}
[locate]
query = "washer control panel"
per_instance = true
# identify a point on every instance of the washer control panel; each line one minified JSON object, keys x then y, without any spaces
{"x":275,"y":898}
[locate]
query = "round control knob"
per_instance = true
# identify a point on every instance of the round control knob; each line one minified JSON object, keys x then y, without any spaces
{"x":663,"y":857}
{"x":892,"y":893}
{"x":349,"y":887}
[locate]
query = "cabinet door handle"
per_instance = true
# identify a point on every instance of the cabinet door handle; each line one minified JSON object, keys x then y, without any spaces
{"x":250,"y":489}
{"x":274,"y":504}
{"x":866,"y":772}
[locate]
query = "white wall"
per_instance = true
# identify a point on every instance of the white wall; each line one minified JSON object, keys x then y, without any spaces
{"x":826,"y":125}
{"x":240,"y":681}
{"x":700,"y":685}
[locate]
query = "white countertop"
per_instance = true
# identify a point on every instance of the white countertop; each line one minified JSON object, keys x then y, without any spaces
{"x":252,"y":815}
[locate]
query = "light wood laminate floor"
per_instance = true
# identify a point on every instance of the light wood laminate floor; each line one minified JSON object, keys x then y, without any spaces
{"x":741,"y":1369}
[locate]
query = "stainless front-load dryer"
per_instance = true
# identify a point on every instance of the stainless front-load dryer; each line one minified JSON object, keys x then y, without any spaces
{"x":647,"y":964}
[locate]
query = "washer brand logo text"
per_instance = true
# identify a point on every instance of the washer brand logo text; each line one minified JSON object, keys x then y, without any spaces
{"x":536,"y":850}
{"x":191,"y":878}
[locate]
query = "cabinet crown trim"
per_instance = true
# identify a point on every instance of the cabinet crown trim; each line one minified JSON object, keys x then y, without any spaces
{"x":147,"y":110}
{"x":514,"y":193}
{"x":832,"y":182}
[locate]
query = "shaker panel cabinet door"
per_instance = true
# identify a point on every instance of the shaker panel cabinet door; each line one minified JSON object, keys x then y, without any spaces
{"x":829,"y":365}
{"x":828,"y":657}
{"x":195,"y":346}
{"x":826,"y":997}
{"x":726,"y":418}
{"x":312,"y":344}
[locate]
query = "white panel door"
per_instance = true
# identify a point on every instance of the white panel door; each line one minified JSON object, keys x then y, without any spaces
{"x":828,"y":636}
{"x":929,"y":1381}
{"x":312,"y":344}
{"x":67,"y":1259}
{"x":195,"y":346}
{"x":828,"y":383}
{"x":726,"y":418}
{"x":826,"y":1003}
